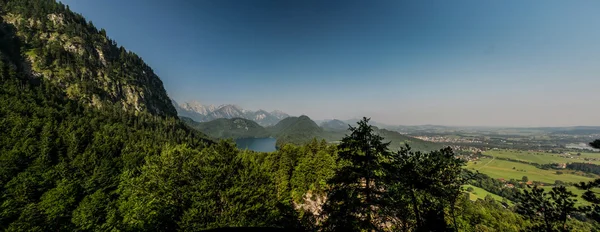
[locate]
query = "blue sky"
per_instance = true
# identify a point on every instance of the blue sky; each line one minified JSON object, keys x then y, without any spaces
{"x":494,"y":63}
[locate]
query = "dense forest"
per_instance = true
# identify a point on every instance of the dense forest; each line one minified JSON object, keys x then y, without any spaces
{"x":121,"y":163}
{"x":65,"y":49}
{"x":233,"y":128}
{"x":295,"y":130}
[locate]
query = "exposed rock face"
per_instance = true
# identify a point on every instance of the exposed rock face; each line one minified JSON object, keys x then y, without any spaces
{"x":204,"y":113}
{"x":73,"y":54}
{"x":279,"y":114}
{"x":227,"y":111}
{"x":198,"y":107}
{"x":312,"y":204}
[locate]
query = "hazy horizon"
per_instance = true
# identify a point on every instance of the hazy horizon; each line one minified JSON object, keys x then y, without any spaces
{"x":375,"y":120}
{"x":459,"y":63}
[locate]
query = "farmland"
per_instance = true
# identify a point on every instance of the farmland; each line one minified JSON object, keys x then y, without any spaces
{"x":497,"y":168}
{"x":574,"y":190}
{"x":479,"y":193}
{"x":542,"y":157}
{"x":591,"y":155}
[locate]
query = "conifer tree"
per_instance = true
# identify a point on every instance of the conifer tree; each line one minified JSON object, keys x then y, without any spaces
{"x":589,"y":195}
{"x":355,"y":196}
{"x":548,"y":211}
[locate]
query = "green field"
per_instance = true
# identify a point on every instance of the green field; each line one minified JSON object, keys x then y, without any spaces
{"x":541,"y":157}
{"x":479,"y":193}
{"x":496,"y":168}
{"x":589,"y":155}
{"x":574,"y":190}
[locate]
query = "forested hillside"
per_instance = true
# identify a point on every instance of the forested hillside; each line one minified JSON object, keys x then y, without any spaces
{"x":92,"y":143}
{"x":295,"y":130}
{"x":63,"y":48}
{"x":229,"y":128}
{"x":66,"y":164}
{"x":334,"y":125}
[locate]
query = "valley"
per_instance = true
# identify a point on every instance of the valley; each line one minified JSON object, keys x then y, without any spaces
{"x":257,"y":144}
{"x":90,"y":140}
{"x":546,"y":168}
{"x":298,"y":131}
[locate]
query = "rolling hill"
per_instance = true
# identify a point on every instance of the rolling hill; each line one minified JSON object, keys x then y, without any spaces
{"x":298,"y":131}
{"x":229,"y":128}
{"x":334,"y":125}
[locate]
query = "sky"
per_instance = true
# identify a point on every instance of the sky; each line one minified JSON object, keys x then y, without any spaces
{"x":462,"y":63}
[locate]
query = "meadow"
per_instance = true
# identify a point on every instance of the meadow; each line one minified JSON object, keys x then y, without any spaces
{"x":576,"y":191}
{"x":479,"y":193}
{"x":497,"y":168}
{"x":595,"y":155}
{"x":542,"y":157}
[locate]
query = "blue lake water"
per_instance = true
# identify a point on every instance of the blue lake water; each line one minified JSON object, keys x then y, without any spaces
{"x":257,"y":144}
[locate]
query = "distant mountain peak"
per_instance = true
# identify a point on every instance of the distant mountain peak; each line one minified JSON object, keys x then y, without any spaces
{"x":204,"y":113}
{"x":197,"y":107}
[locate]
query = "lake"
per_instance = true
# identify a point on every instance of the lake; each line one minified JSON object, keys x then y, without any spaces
{"x":257,"y":144}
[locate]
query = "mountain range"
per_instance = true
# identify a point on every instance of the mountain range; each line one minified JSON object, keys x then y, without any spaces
{"x":232,"y":121}
{"x":297,"y":131}
{"x":204,"y":113}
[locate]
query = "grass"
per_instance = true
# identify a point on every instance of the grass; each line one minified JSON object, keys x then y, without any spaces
{"x":542,"y":157}
{"x":479,"y":193}
{"x":589,"y":155}
{"x":573,"y":189}
{"x":496,"y":168}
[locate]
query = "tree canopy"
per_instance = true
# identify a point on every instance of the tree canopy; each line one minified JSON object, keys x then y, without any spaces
{"x":68,"y":164}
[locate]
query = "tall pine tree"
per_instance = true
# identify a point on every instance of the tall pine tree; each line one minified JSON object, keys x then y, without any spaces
{"x":355,"y":197}
{"x":590,"y":194}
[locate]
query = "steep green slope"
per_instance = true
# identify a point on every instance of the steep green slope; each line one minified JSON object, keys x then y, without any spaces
{"x":334,"y":125}
{"x":61,"y":162}
{"x":229,"y":128}
{"x":282,"y":125}
{"x":64,"y":49}
{"x":118,"y":165}
{"x":296,"y":130}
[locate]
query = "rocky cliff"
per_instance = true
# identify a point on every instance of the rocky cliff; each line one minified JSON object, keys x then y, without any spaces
{"x":63,"y":48}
